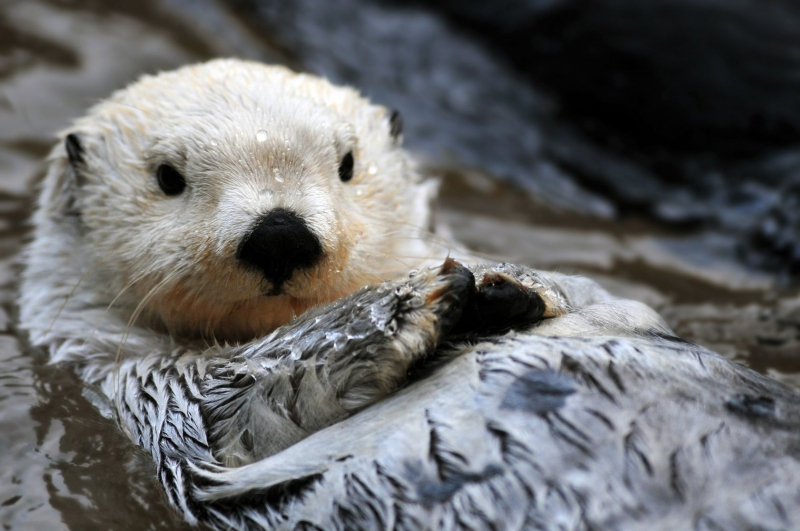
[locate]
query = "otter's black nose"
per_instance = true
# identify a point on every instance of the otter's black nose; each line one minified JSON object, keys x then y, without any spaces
{"x":280,"y":244}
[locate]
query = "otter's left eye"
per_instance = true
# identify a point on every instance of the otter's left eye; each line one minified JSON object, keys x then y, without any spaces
{"x":170,"y":180}
{"x":346,"y":167}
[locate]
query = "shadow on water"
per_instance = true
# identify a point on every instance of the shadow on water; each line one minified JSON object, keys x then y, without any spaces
{"x":471,"y":112}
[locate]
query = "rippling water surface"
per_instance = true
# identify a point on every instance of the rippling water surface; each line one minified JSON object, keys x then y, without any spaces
{"x":64,"y":466}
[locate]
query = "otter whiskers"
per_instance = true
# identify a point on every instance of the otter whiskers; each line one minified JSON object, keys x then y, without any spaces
{"x":140,"y":307}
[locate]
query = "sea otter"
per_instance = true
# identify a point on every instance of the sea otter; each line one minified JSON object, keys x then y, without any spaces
{"x":239,"y":258}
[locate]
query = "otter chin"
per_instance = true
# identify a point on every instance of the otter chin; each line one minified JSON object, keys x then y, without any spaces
{"x":223,"y":199}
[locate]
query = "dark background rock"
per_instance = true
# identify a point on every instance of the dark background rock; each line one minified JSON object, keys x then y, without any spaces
{"x":683,"y":111}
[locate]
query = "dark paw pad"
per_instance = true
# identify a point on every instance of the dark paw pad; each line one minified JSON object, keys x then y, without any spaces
{"x":499,"y":303}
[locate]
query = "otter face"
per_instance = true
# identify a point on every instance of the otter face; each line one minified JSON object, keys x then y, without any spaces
{"x":222,"y":199}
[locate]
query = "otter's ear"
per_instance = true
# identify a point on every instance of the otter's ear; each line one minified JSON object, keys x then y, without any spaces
{"x":395,"y":125}
{"x":61,"y":184}
{"x":74,"y":148}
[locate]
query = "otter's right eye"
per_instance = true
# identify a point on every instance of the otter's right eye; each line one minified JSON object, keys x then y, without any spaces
{"x":346,"y":167}
{"x":170,"y":180}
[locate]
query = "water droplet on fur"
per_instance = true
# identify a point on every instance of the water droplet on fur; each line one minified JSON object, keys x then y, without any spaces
{"x":287,"y":144}
{"x":298,"y":193}
{"x":278,"y":175}
{"x":372,"y":169}
{"x":379,"y":315}
{"x":358,"y":329}
{"x":337,"y":338}
{"x":213,"y":142}
{"x":339,"y":342}
{"x":261,"y":135}
{"x":359,"y":192}
{"x":267,"y":192}
{"x":296,"y":352}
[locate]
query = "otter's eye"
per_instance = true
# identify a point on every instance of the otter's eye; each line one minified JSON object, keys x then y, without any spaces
{"x":346,"y":167}
{"x":170,"y":181}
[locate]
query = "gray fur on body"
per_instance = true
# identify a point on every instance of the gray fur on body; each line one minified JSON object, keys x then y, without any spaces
{"x":598,"y":419}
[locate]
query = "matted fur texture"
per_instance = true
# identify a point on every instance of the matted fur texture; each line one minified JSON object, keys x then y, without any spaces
{"x":364,"y":396}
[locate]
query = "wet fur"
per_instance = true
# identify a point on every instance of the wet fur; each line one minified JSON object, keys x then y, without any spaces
{"x":297,"y":412}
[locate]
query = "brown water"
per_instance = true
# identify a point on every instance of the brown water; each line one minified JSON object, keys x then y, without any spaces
{"x":64,"y":466}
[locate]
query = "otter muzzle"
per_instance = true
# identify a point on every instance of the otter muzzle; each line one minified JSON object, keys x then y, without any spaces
{"x":280,"y":244}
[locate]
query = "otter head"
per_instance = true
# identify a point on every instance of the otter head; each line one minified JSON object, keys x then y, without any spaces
{"x":220,"y":200}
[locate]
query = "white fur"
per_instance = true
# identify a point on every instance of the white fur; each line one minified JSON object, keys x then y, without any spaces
{"x":248,"y":138}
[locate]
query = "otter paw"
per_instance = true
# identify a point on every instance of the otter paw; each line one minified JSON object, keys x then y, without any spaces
{"x":395,"y":325}
{"x":507,"y":297}
{"x":430,"y":303}
{"x":336,"y":359}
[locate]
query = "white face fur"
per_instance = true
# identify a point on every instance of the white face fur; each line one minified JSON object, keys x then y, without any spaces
{"x":248,"y":140}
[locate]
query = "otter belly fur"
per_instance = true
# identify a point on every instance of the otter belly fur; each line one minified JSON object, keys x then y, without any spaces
{"x":238,"y":257}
